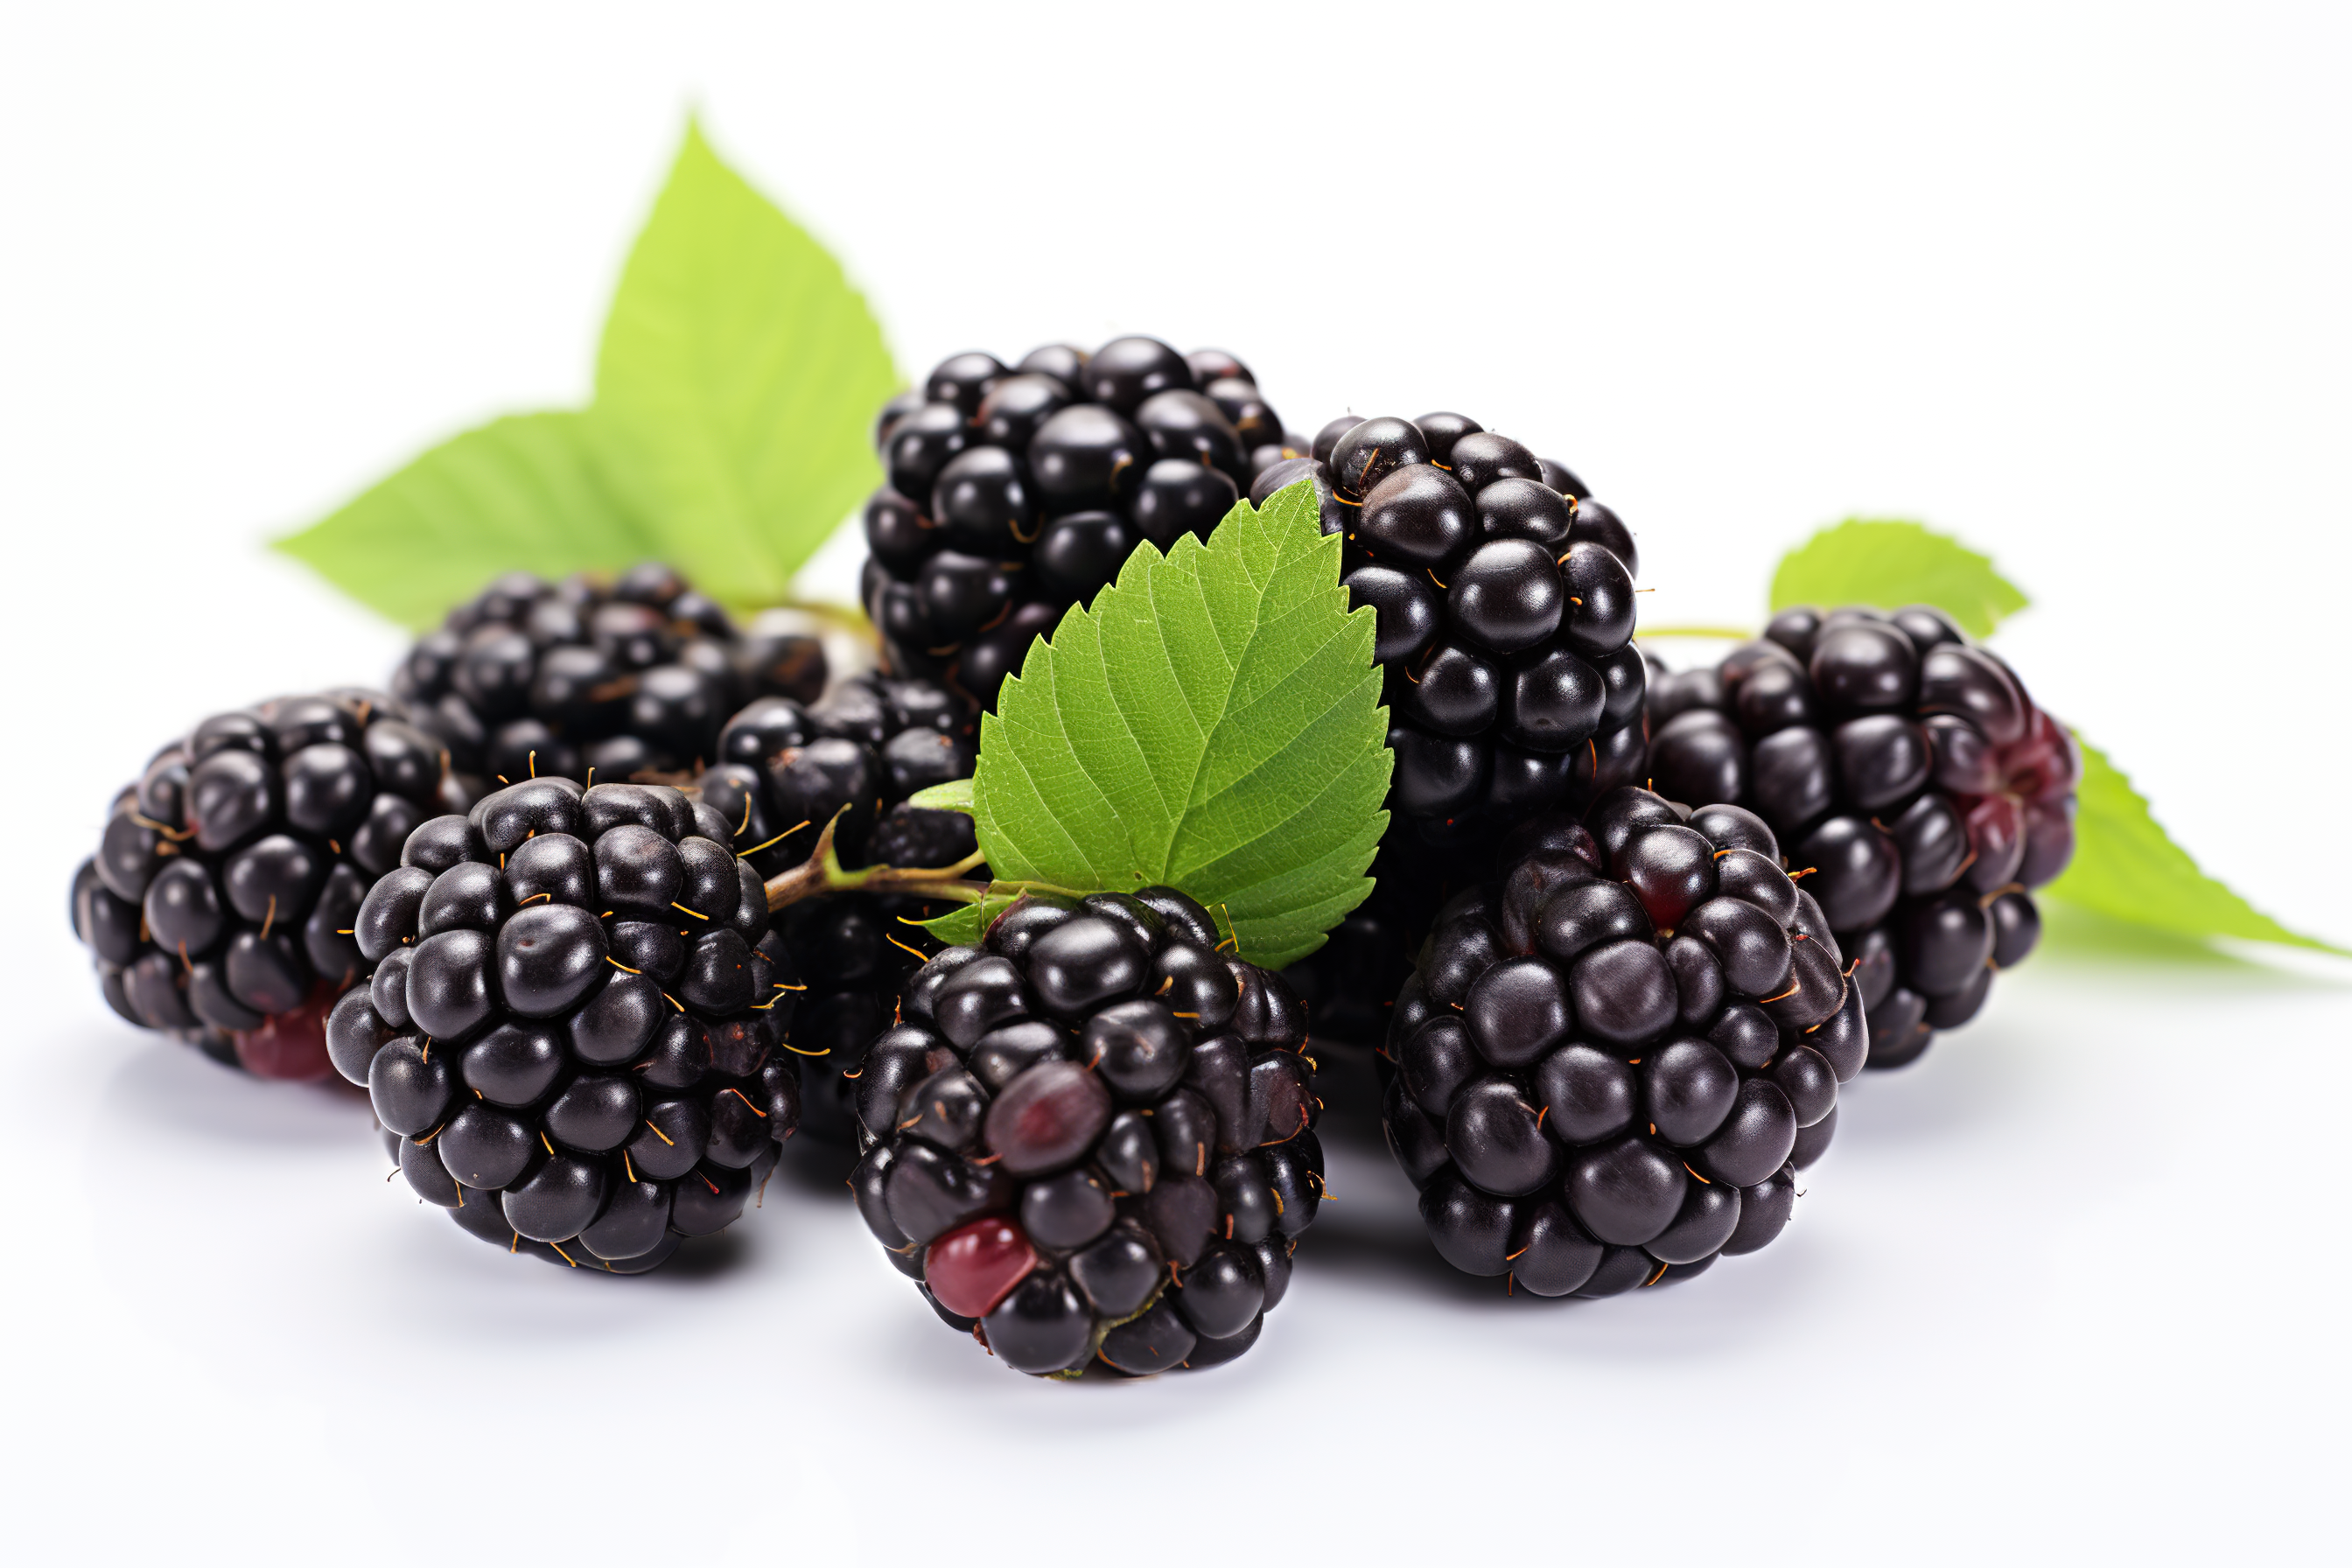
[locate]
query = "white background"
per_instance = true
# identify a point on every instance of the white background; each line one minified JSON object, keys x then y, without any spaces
{"x":2070,"y":282}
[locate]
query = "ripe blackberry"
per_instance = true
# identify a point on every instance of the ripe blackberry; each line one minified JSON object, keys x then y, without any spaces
{"x":1016,"y":491}
{"x":1505,"y":599}
{"x":1917,"y":787}
{"x":784,"y":771}
{"x":1090,"y":1138}
{"x":573,"y":1019}
{"x":622,"y":679}
{"x":1612,"y":1060}
{"x":219,"y":906}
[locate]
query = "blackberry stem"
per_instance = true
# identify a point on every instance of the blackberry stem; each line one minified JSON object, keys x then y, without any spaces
{"x":840,"y":617}
{"x":822,"y":873}
{"x":1734,"y":634}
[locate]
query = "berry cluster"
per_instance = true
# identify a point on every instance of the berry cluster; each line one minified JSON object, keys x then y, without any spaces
{"x":1015,"y":492}
{"x":1504,"y":594}
{"x":784,"y":771}
{"x":1091,"y":1137}
{"x":1917,"y":784}
{"x":1504,"y":600}
{"x":220,"y":903}
{"x":573,"y":1021}
{"x":1612,"y":1060}
{"x":622,"y":679}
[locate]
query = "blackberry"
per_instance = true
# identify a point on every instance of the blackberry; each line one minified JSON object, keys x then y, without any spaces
{"x":584,"y":679}
{"x":219,"y":906}
{"x":1504,"y":594}
{"x":1612,"y":1060}
{"x":1016,"y":491}
{"x":785,"y":772}
{"x":573,"y":1019}
{"x":1090,"y":1138}
{"x":1919,"y":790}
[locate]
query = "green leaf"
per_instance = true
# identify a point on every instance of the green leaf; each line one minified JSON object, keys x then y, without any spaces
{"x":1890,"y":565}
{"x":735,"y":385}
{"x":2129,"y":868}
{"x":2069,"y":931}
{"x":954,"y":796}
{"x":522,"y":493}
{"x":965,"y":925}
{"x":1213,"y":722}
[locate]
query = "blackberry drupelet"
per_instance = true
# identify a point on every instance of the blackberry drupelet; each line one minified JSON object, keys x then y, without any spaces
{"x":1917,"y":784}
{"x":1613,"y":1059}
{"x":1505,"y":599}
{"x":1090,"y":1138}
{"x":627,"y":678}
{"x":219,"y":906}
{"x":1016,"y":491}
{"x":574,"y":1021}
{"x":784,"y":771}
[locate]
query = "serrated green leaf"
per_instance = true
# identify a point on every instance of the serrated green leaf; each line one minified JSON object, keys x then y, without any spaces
{"x":2128,"y":868}
{"x":737,"y":378}
{"x":1890,"y":565}
{"x":1212,"y":723}
{"x":522,"y":493}
{"x":954,"y":796}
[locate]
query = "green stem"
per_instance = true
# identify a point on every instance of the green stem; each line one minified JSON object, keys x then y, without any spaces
{"x":822,"y":873}
{"x":840,"y":617}
{"x":848,"y":618}
{"x":1734,"y":634}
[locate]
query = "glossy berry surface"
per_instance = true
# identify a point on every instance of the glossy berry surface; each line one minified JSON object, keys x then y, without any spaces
{"x":1916,"y":787}
{"x":1612,"y":1057}
{"x":1014,"y":493}
{"x":576,"y":1022}
{"x":1503,"y":604}
{"x":220,"y":905}
{"x":786,"y":769}
{"x":1090,"y":1138}
{"x":596,"y":678}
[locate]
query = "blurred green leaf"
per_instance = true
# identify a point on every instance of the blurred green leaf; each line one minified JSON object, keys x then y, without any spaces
{"x":737,"y":380}
{"x":522,"y":493}
{"x":2127,"y":867}
{"x":2071,"y":932}
{"x":1212,"y":723}
{"x":954,"y":796}
{"x":1890,"y":565}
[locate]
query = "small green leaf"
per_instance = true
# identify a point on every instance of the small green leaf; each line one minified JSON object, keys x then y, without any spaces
{"x":965,"y":925}
{"x":2129,"y":868}
{"x":1890,"y":565}
{"x":522,"y":493}
{"x":954,"y":796}
{"x":737,"y":379}
{"x":1213,"y":722}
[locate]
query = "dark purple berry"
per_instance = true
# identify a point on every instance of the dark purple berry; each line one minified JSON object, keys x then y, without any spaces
{"x":1125,"y":372}
{"x":1416,"y":516}
{"x":1364,"y":456}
